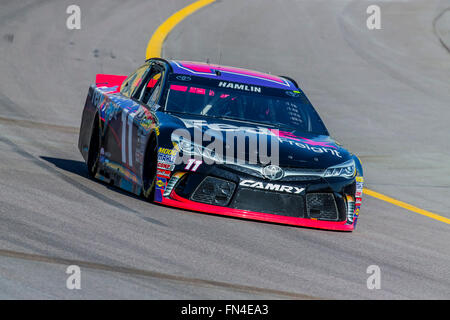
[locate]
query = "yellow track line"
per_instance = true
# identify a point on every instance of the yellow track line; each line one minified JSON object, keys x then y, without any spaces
{"x":406,"y":206}
{"x":154,"y":46}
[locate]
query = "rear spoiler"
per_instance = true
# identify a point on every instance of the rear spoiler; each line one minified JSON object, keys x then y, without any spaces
{"x":109,"y":80}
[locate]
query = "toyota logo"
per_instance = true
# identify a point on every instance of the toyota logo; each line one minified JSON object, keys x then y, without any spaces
{"x":273,"y":172}
{"x":184,"y":78}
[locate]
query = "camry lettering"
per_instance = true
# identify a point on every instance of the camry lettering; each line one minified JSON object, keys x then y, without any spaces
{"x":271,"y":186}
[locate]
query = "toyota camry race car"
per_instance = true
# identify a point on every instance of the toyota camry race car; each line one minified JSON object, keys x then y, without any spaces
{"x":220,"y":140}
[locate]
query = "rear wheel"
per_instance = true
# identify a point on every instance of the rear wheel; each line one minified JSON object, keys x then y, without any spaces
{"x":149,"y":174}
{"x":94,"y":150}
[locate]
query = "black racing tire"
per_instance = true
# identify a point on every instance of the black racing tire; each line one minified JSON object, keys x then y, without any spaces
{"x":149,"y":172}
{"x":94,"y":151}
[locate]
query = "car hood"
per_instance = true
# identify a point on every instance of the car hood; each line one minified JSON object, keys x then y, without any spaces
{"x":295,"y":149}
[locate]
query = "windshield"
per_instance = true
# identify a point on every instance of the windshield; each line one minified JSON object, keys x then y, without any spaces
{"x":254,"y":104}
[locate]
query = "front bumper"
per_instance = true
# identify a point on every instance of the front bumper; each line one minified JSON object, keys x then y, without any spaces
{"x":290,"y":209}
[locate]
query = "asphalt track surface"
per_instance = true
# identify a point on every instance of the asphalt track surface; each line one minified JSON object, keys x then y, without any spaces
{"x":383,"y":93}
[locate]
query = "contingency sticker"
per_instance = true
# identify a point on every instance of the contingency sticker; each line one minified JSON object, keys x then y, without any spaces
{"x":358,"y":195}
{"x":167,"y":156}
{"x":165,"y":166}
{"x":159,"y":188}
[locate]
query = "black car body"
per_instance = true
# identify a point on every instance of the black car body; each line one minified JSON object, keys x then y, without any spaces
{"x":151,"y":133}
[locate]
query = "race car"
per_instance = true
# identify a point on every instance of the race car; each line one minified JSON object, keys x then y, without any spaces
{"x":220,"y":140}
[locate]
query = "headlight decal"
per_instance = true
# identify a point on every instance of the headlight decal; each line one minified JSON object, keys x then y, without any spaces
{"x":344,"y":170}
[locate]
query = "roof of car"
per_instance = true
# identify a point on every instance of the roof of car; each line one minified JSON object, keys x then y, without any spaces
{"x":231,"y":74}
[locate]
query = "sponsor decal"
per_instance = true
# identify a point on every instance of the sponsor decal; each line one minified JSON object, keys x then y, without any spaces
{"x":166,"y":158}
{"x":306,"y":145}
{"x":290,"y":135}
{"x":163,"y":173}
{"x":165,"y":166}
{"x":166,"y":155}
{"x":172,"y":152}
{"x":282,"y":136}
{"x":239,"y":86}
{"x":184,"y":78}
{"x":197,"y":123}
{"x":160,"y":187}
{"x":359,"y":192}
{"x":271,"y":187}
{"x":161,"y":183}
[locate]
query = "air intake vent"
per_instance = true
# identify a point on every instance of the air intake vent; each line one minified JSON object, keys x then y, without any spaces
{"x":214,"y":191}
{"x":321,"y":206}
{"x":172,"y":182}
{"x":282,"y":204}
{"x":350,"y":209}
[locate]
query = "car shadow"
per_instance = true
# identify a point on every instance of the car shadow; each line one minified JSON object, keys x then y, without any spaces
{"x":73,"y":166}
{"x":79,"y":168}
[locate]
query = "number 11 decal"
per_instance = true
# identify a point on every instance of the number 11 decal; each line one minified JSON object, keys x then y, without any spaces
{"x":127,"y":119}
{"x":194,"y":162}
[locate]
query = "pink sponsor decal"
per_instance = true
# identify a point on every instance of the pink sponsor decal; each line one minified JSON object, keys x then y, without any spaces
{"x":197,"y":90}
{"x":290,"y":135}
{"x":178,"y":88}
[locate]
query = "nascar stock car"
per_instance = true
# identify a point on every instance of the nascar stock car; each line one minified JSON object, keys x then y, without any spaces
{"x":136,"y":133}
